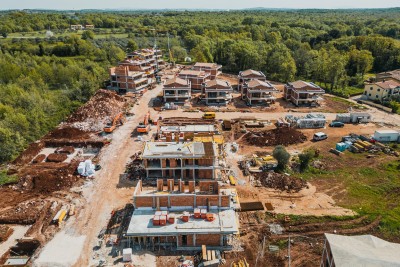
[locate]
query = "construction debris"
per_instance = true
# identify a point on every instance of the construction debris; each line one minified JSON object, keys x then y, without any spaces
{"x":86,"y":168}
{"x":279,"y":181}
{"x":278,"y":136}
{"x":309,"y":121}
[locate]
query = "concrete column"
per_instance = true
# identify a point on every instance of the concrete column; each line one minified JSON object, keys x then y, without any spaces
{"x":194,"y":240}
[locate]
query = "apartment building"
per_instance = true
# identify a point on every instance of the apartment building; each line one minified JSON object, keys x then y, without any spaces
{"x":248,"y":75}
{"x":124,"y":80}
{"x":258,"y":92}
{"x":217,"y":92}
{"x":382,"y":90}
{"x":177,"y":90}
{"x":77,"y":27}
{"x":302,"y":93}
{"x":196,"y":77}
{"x":187,"y":160}
{"x":212,"y":68}
{"x":184,"y":216}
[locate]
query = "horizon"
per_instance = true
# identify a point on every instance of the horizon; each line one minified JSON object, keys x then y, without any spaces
{"x":204,"y":5}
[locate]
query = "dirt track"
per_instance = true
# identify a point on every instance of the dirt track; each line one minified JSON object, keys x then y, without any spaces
{"x":104,"y":195}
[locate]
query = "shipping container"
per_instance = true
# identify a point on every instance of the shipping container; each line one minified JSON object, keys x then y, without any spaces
{"x":386,"y":136}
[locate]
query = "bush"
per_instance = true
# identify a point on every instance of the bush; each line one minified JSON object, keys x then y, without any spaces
{"x":282,"y":156}
{"x":305,"y":159}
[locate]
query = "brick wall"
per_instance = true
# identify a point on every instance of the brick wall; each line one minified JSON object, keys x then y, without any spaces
{"x":225,"y":201}
{"x":182,"y":200}
{"x":192,"y":186}
{"x":205,"y":186}
{"x":201,"y":200}
{"x":143,"y":201}
{"x":208,"y":239}
{"x":163,"y":201}
{"x":160,"y":185}
{"x":205,"y":174}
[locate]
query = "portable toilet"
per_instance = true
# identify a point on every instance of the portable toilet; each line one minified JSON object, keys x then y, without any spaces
{"x":127,"y":254}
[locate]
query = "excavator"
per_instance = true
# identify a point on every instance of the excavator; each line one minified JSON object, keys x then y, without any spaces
{"x":144,"y":127}
{"x":117,"y":121}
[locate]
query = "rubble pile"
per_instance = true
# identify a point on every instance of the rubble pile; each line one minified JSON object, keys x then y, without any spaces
{"x":100,"y":109}
{"x":280,"y":181}
{"x":135,"y":168}
{"x":68,"y":133}
{"x":279,"y":136}
{"x":24,"y":213}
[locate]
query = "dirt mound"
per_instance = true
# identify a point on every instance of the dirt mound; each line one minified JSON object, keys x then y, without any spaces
{"x":56,"y":157}
{"x":68,"y":133}
{"x":23,"y":213}
{"x":39,"y":158}
{"x":280,"y":181}
{"x":102,"y":107}
{"x":29,"y":153}
{"x":278,"y":136}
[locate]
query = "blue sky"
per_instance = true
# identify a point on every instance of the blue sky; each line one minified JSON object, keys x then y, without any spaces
{"x":188,"y":4}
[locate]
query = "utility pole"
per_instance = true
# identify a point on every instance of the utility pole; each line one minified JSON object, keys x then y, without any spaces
{"x":289,"y":251}
{"x":156,"y":53}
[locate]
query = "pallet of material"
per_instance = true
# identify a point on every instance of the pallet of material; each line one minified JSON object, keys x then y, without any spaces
{"x":336,"y":152}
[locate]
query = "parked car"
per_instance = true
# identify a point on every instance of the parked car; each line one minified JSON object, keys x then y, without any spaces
{"x":336,"y":124}
{"x":319,"y":136}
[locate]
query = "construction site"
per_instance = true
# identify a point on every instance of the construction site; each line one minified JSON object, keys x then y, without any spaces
{"x":127,"y":182}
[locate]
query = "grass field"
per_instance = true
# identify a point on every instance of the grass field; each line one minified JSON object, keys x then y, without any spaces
{"x":369,"y":189}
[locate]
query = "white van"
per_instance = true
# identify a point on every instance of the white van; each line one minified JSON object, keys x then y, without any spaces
{"x":319,"y":136}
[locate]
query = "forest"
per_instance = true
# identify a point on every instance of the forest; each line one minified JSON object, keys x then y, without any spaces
{"x":43,"y":78}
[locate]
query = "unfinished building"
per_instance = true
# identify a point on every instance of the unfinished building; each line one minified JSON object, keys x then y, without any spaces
{"x":217,"y":92}
{"x":124,"y":80}
{"x":302,"y":93}
{"x":187,"y":161}
{"x":196,"y":78}
{"x":150,"y":57}
{"x":211,"y":68}
{"x":176,"y":90}
{"x":257,"y":92}
{"x":182,"y":217}
{"x":185,"y":132}
{"x":248,"y":75}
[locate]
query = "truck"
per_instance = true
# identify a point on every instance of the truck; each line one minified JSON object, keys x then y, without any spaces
{"x":144,"y":127}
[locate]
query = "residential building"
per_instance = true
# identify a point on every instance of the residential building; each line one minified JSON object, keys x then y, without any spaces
{"x":123,"y":79}
{"x":256,"y":92}
{"x":212,"y":68}
{"x":182,"y":217}
{"x":393,"y":75}
{"x":137,"y":71}
{"x":361,"y":250}
{"x":77,"y":27}
{"x":217,"y":92}
{"x":177,"y":90}
{"x":196,"y":77}
{"x":382,"y":90}
{"x":182,"y":133}
{"x":248,"y":75}
{"x":303,"y":93}
{"x":89,"y":27}
{"x":187,"y":161}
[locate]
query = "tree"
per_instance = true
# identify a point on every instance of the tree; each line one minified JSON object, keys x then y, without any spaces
{"x":305,"y":159}
{"x":88,"y":35}
{"x":179,"y":53}
{"x":131,"y":46}
{"x":282,"y":156}
{"x":280,"y":64}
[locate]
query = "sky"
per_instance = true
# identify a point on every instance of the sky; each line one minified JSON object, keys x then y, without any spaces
{"x":190,"y":4}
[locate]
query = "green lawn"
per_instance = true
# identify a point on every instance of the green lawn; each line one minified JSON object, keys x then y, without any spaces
{"x":5,"y":179}
{"x":370,"y":190}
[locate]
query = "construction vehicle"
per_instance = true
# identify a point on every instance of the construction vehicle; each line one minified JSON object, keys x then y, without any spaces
{"x":117,"y":121}
{"x":232,"y":180}
{"x":144,"y":127}
{"x":209,"y":115}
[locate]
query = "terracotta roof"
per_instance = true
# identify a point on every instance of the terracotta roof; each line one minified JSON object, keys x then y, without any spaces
{"x":251,"y":72}
{"x":260,"y":85}
{"x":206,"y":65}
{"x":389,"y":84}
{"x":176,"y":82}
{"x":218,"y":84}
{"x":302,"y":85}
{"x":395,"y":74}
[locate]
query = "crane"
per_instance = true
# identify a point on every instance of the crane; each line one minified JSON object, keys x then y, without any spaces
{"x":171,"y":55}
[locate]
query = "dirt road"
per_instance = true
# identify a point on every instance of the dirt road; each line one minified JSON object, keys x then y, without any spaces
{"x":102,"y":195}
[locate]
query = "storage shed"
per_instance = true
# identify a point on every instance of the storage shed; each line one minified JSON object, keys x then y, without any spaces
{"x":387,"y":136}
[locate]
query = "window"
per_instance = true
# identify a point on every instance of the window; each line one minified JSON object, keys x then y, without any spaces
{"x":371,"y":88}
{"x":365,"y":93}
{"x":379,"y":89}
{"x":369,"y":94}
{"x":376,"y":96}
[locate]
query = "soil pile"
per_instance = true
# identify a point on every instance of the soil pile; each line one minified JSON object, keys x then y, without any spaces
{"x":56,"y":157}
{"x":65,"y":150}
{"x":280,"y":181}
{"x":101,"y":108}
{"x":278,"y":136}
{"x":23,"y":213}
{"x":39,"y":158}
{"x":68,"y":133}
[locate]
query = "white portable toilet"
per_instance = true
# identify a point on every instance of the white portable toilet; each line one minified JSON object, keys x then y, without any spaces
{"x":127,"y":254}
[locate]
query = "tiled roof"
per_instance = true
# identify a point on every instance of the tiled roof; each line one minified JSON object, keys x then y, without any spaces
{"x":302,"y":85}
{"x":252,"y":72}
{"x":176,"y":81}
{"x":389,"y":84}
{"x":258,"y":83}
{"x":217,"y":83}
{"x":206,"y":65}
{"x":198,"y":73}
